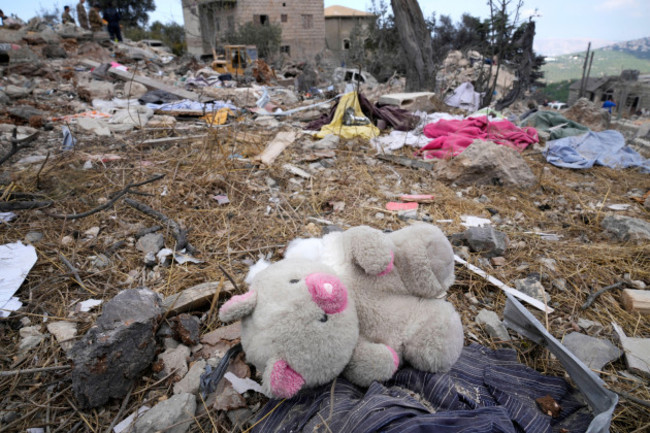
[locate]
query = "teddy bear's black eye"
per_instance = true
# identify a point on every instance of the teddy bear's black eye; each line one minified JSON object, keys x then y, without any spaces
{"x":294,"y":281}
{"x":324,"y":318}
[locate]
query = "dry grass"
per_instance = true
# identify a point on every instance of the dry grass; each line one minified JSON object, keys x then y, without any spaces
{"x":260,"y":220}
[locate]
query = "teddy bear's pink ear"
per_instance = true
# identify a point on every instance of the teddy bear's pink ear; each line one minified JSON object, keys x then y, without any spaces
{"x":238,"y":307}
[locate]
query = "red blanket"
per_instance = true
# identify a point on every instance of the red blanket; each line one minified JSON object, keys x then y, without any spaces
{"x":451,"y":137}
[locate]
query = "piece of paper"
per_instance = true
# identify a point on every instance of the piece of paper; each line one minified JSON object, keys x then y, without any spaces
{"x":16,"y":260}
{"x":473,"y":221}
{"x":242,"y":385}
{"x":125,"y":424}
{"x":89,"y":304}
{"x":7,"y":217}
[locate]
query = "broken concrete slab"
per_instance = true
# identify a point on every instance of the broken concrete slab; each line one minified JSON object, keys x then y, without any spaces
{"x":493,"y":325}
{"x":115,"y":352}
{"x":486,"y":240}
{"x":626,"y":229}
{"x":637,"y":351}
{"x":417,"y":101}
{"x":486,"y":163}
{"x":171,"y":416}
{"x":594,"y":352}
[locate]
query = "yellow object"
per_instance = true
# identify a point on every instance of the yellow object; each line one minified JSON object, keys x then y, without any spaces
{"x":218,"y":118}
{"x":235,"y":60}
{"x":338,"y":128}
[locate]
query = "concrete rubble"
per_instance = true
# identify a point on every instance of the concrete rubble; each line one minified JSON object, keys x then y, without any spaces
{"x":198,"y":174}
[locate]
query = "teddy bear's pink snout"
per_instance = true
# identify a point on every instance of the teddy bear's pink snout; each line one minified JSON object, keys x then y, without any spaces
{"x":328,"y":292}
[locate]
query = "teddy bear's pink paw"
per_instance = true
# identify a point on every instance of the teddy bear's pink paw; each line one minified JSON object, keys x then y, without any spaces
{"x":285,"y":381}
{"x":390,"y":266}
{"x":395,"y":357}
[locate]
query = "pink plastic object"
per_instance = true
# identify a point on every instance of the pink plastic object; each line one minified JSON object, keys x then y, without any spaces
{"x":401,"y":206}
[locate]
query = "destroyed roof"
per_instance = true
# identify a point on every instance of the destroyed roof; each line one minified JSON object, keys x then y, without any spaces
{"x":342,"y":11}
{"x":593,"y":83}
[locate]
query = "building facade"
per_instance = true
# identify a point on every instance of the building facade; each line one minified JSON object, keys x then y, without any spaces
{"x":302,"y":23}
{"x":340,"y":22}
{"x":630,"y":91}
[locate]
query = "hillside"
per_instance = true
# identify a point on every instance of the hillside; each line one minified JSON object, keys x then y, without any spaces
{"x":607,"y":61}
{"x":639,"y":48}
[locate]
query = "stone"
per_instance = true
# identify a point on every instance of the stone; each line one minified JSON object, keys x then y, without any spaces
{"x":25,"y":112}
{"x":53,"y":51}
{"x":116,"y":351}
{"x":174,"y":359}
{"x":16,"y":92}
{"x":330,"y":141}
{"x":101,"y":261}
{"x":92,"y":232}
{"x":646,"y":203}
{"x":95,"y":89}
{"x":498,"y":261}
{"x":186,"y":329}
{"x":594,"y":352}
{"x":174,"y":415}
{"x":192,"y":380}
{"x":486,"y":240}
{"x":30,"y":337}
{"x":590,"y":326}
{"x":33,"y":237}
{"x":67,"y":240}
{"x":533,"y":288}
{"x":627,"y":229}
{"x":132,"y":116}
{"x":493,"y":325}
{"x":134,"y":90}
{"x":64,"y":332}
{"x":96,"y":126}
{"x":486,"y":163}
{"x":4,"y":99}
{"x":240,"y":418}
{"x":150,"y":243}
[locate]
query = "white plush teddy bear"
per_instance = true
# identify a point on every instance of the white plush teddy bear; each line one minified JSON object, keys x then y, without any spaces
{"x":357,"y":302}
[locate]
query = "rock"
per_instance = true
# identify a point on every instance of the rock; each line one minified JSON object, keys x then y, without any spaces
{"x":4,"y":99}
{"x":194,"y":297}
{"x":30,"y":337}
{"x":192,"y":380}
{"x":484,"y":239}
{"x":95,"y":126}
{"x":590,"y":326}
{"x":626,"y":229}
{"x":114,"y":352}
{"x":92,"y":232}
{"x":66,"y":241}
{"x":646,"y":203}
{"x":178,"y":412}
{"x":53,"y":51}
{"x":25,"y":112}
{"x":17,"y":92}
{"x":498,"y":261}
{"x":186,"y":329}
{"x":150,"y":259}
{"x":33,"y":237}
{"x":486,"y":163}
{"x":594,"y":352}
{"x":330,"y":141}
{"x":240,"y":418}
{"x":133,"y":116}
{"x":101,"y":261}
{"x":174,"y":359}
{"x":533,"y":288}
{"x":96,"y":90}
{"x":494,"y":327}
{"x":64,"y":332}
{"x":589,"y":114}
{"x":134,"y":90}
{"x":150,"y":243}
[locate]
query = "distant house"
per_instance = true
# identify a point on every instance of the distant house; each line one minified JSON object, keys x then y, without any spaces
{"x":340,"y":21}
{"x":302,"y":22}
{"x":630,"y":91}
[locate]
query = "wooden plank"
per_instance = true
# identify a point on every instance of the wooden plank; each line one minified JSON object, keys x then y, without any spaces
{"x":148,"y":82}
{"x":637,"y":301}
{"x":194,"y":297}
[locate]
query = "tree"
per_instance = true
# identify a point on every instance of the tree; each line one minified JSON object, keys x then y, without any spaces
{"x":134,"y":12}
{"x":416,"y":43}
{"x":266,"y":37}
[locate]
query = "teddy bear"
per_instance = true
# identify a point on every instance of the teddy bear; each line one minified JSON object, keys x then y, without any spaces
{"x":358,"y":303}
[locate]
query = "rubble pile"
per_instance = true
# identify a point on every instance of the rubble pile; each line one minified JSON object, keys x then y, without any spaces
{"x":137,"y":189}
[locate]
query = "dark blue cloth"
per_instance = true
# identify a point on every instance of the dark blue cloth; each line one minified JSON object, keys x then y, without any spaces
{"x":487,"y":391}
{"x":608,"y":105}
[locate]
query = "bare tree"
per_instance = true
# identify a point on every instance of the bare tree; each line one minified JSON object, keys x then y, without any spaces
{"x":416,"y":43}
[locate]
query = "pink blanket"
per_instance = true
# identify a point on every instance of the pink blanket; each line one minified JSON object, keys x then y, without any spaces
{"x":451,"y":137}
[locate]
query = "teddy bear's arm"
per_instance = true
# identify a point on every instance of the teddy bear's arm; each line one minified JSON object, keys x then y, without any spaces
{"x":371,"y":362}
{"x":370,"y":249}
{"x":280,"y":380}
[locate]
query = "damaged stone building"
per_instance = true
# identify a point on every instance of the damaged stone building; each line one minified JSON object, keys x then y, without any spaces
{"x":302,"y":23}
{"x":340,"y":23}
{"x":630,"y":91}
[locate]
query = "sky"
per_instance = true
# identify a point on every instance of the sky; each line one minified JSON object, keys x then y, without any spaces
{"x":563,"y":26}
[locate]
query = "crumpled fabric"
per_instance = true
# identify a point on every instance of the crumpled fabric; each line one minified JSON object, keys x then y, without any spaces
{"x":336,"y":126}
{"x":415,"y":138}
{"x":464,"y":97}
{"x":451,"y":137}
{"x":595,"y":148}
{"x":486,"y":391}
{"x":558,"y":125}
{"x":188,"y":104}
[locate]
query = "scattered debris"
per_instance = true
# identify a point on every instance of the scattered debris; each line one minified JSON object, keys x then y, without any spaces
{"x":637,"y":351}
{"x":594,"y":352}
{"x":17,"y":260}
